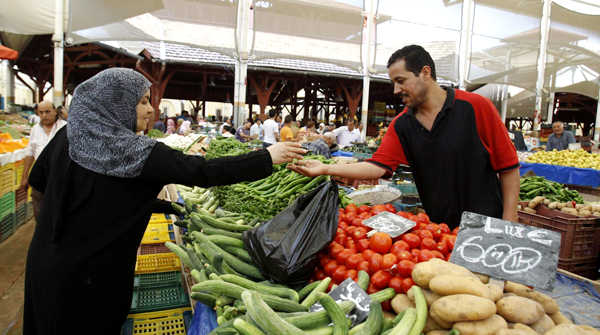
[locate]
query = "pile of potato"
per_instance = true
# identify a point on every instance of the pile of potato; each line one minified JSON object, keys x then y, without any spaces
{"x":566,"y":207}
{"x":462,"y":300}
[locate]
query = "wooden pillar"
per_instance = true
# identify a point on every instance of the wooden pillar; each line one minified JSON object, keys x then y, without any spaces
{"x":353,"y":98}
{"x":159,"y":84}
{"x":263,"y":91}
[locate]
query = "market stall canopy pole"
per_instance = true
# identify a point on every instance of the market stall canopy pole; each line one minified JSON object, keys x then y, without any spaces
{"x":545,"y":32}
{"x":7,"y":53}
{"x":366,"y":67}
{"x":597,"y":123}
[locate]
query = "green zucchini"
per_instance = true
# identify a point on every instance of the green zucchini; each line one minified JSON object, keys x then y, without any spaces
{"x":203,"y":276}
{"x":363,"y":279}
{"x":317,"y":319}
{"x":225,"y":241}
{"x":196,"y":275}
{"x":356,"y":329}
{"x":180,"y":252}
{"x":239,"y":252}
{"x":239,"y":304}
{"x":198,"y":223}
{"x":406,"y":324}
{"x":338,"y":317}
{"x":421,"y":306}
{"x":206,"y":299}
{"x":383,"y":295}
{"x":223,"y":300}
{"x":179,"y":209}
{"x":219,"y":310}
{"x":214,"y":276}
{"x":387,"y":325}
{"x":280,"y":292}
{"x":320,"y":331}
{"x":312,"y":297}
{"x":229,"y":312}
{"x":215,"y":231}
{"x":235,"y":291}
{"x":228,"y":270}
{"x":307,"y":289}
{"x":196,"y":264}
{"x":265,"y":317}
{"x":216,"y":223}
{"x":218,"y":264}
{"x":244,"y":328}
{"x":374,"y":320}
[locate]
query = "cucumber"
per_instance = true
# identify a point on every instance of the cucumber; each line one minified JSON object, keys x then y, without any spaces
{"x":236,"y":264}
{"x":215,"y":231}
{"x":198,"y":223}
{"x":407,"y":322}
{"x":363,"y":279}
{"x":225,"y":241}
{"x":235,"y":291}
{"x":320,"y":331}
{"x":196,"y":275}
{"x":214,"y":276}
{"x":374,"y":320}
{"x":203,"y":276}
{"x":239,"y":252}
{"x":245,"y":328}
{"x":239,"y":304}
{"x":178,"y":209}
{"x":307,"y":289}
{"x":421,"y":306}
{"x":387,"y":325}
{"x":216,"y":223}
{"x":228,"y":270}
{"x":312,"y":297}
{"x":383,"y":295}
{"x":317,"y":319}
{"x":254,"y":222}
{"x":196,"y":264}
{"x":206,"y":299}
{"x":224,"y":300}
{"x":180,"y":252}
{"x":338,"y":317}
{"x":214,"y":206}
{"x":218,"y":264}
{"x":265,"y":317}
{"x":182,"y":224}
{"x":280,"y":292}
{"x":220,"y":318}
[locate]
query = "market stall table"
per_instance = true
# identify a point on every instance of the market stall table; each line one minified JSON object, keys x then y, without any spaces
{"x":564,"y":174}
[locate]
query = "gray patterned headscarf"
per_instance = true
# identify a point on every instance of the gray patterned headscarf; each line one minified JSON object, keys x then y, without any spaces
{"x":103,"y":121}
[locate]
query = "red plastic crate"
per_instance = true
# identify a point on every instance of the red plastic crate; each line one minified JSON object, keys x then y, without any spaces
{"x":150,"y":249}
{"x":579,"y":236}
{"x":20,"y":197}
{"x":585,"y":267}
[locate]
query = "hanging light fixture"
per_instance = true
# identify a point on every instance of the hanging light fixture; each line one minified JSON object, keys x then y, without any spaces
{"x":228,"y":100}
{"x":339,"y":98}
{"x":222,"y":77}
{"x":212,"y":81}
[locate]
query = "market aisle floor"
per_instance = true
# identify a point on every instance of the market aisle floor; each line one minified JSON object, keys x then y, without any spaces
{"x":13,"y":253}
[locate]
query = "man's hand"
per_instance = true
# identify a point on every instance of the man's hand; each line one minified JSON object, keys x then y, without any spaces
{"x":24,"y":184}
{"x":283,"y":152}
{"x":310,"y":168}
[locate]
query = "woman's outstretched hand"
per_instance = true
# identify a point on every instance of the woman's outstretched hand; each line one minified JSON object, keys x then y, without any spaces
{"x":285,"y":152}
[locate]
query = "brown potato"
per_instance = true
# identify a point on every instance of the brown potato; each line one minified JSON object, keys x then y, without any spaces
{"x":430,"y":297}
{"x":401,"y":302}
{"x":529,"y":210}
{"x":570,"y":211}
{"x":453,"y":284}
{"x":559,"y":318}
{"x":438,"y":332}
{"x":463,"y":307}
{"x":536,"y":201}
{"x":553,"y":205}
{"x":544,"y":325}
{"x":431,"y":325}
{"x":569,"y":204}
{"x":519,"y":309}
{"x":440,"y":321}
{"x":389,"y":315}
{"x":484,"y":278}
{"x":525,"y":328}
{"x":584,"y":212}
{"x":568,"y":329}
{"x":425,"y":271}
{"x":514,"y":332}
{"x":561,"y":206}
{"x":546,"y":202}
{"x":550,"y":306}
{"x":496,"y":292}
{"x":489,"y":326}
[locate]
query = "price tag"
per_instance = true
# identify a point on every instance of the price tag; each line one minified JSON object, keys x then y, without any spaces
{"x":389,"y":223}
{"x":349,"y":290}
{"x":507,"y":250}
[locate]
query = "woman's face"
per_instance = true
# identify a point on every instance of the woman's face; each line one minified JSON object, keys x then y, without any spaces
{"x":144,"y":112}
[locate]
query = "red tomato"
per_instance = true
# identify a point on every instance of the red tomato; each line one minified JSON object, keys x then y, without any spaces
{"x":363,"y":266}
{"x":407,"y":283}
{"x":363,"y":245}
{"x":438,"y":254}
{"x":422,"y":225}
{"x":342,"y":218}
{"x":381,"y":279}
{"x":404,"y":255}
{"x":403,"y":214}
{"x":372,"y":289}
{"x":412,"y":217}
{"x":364,"y":209}
{"x":343,"y":225}
{"x":367,"y":254}
{"x":359,"y":233}
{"x":455,"y":231}
{"x":352,"y":274}
{"x":381,"y":243}
{"x":387,"y":305}
{"x":435,"y":230}
{"x":379,"y":208}
{"x":353,"y":261}
{"x":349,"y":218}
{"x":351,"y":208}
{"x":341,"y":211}
{"x":412,"y":240}
{"x":319,"y":275}
{"x":405,"y":268}
{"x":374,"y":212}
{"x":396,"y":284}
{"x":448,"y":256}
{"x":425,"y":255}
{"x":333,"y":252}
{"x":375,"y":262}
{"x":330,"y":267}
{"x":425,"y":234}
{"x":444,"y":228}
{"x":451,"y":242}
{"x":390,"y":208}
{"x":364,"y":215}
{"x":324,"y":259}
{"x":339,"y":231}
{"x":351,"y":245}
{"x":343,"y":256}
{"x":350,"y":230}
{"x":389,"y":260}
{"x":428,"y":244}
{"x":399,"y":246}
{"x":333,"y":244}
{"x":341,"y":238}
{"x":442,"y":247}
{"x":424,"y":218}
{"x":339,"y":274}
{"x":357,"y":222}
{"x":415,"y":252}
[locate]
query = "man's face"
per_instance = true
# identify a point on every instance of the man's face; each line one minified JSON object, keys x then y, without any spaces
{"x":410,"y":88}
{"x":279,"y":119}
{"x":558,"y":128}
{"x":144,"y":112}
{"x":328,"y":140}
{"x":332,"y":126}
{"x":247,"y":125}
{"x":47,"y":113}
{"x":350,"y":126}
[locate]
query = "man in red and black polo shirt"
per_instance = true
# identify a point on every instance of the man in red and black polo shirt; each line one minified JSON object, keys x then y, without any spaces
{"x":454,"y":141}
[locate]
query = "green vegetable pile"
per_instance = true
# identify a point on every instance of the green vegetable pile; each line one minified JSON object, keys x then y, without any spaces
{"x":225,"y":146}
{"x":362,"y":149}
{"x":15,"y":134}
{"x":532,"y":187}
{"x":155,"y":133}
{"x":267,"y":197}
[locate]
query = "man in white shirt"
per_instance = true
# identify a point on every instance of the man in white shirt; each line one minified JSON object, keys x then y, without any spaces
{"x":347,"y":134}
{"x":256,"y":129}
{"x":40,"y":135}
{"x":270,"y":130}
{"x":34,"y":118}
{"x":226,"y":121}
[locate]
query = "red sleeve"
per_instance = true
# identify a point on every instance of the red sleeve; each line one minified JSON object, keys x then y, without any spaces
{"x":390,"y":153}
{"x":493,"y":133}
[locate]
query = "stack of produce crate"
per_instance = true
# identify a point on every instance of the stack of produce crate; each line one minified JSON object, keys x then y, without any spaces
{"x":14,"y":203}
{"x":160,"y":304}
{"x":580,"y":237}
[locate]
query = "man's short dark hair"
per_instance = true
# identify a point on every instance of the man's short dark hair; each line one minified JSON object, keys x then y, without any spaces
{"x":415,"y":58}
{"x":352,"y":121}
{"x":185,"y":112}
{"x":226,"y":127}
{"x":288,"y":119}
{"x":273,"y":112}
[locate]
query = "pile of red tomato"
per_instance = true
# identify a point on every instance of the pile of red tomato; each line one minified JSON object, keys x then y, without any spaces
{"x":389,"y":262}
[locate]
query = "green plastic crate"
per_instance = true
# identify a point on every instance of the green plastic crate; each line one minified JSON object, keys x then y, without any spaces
{"x":29,"y":210}
{"x":157,"y":279}
{"x":156,"y":298}
{"x":21,"y":215}
{"x":7,"y":204}
{"x":7,"y":226}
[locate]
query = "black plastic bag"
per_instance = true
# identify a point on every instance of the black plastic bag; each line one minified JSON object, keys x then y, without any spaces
{"x":285,"y":248}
